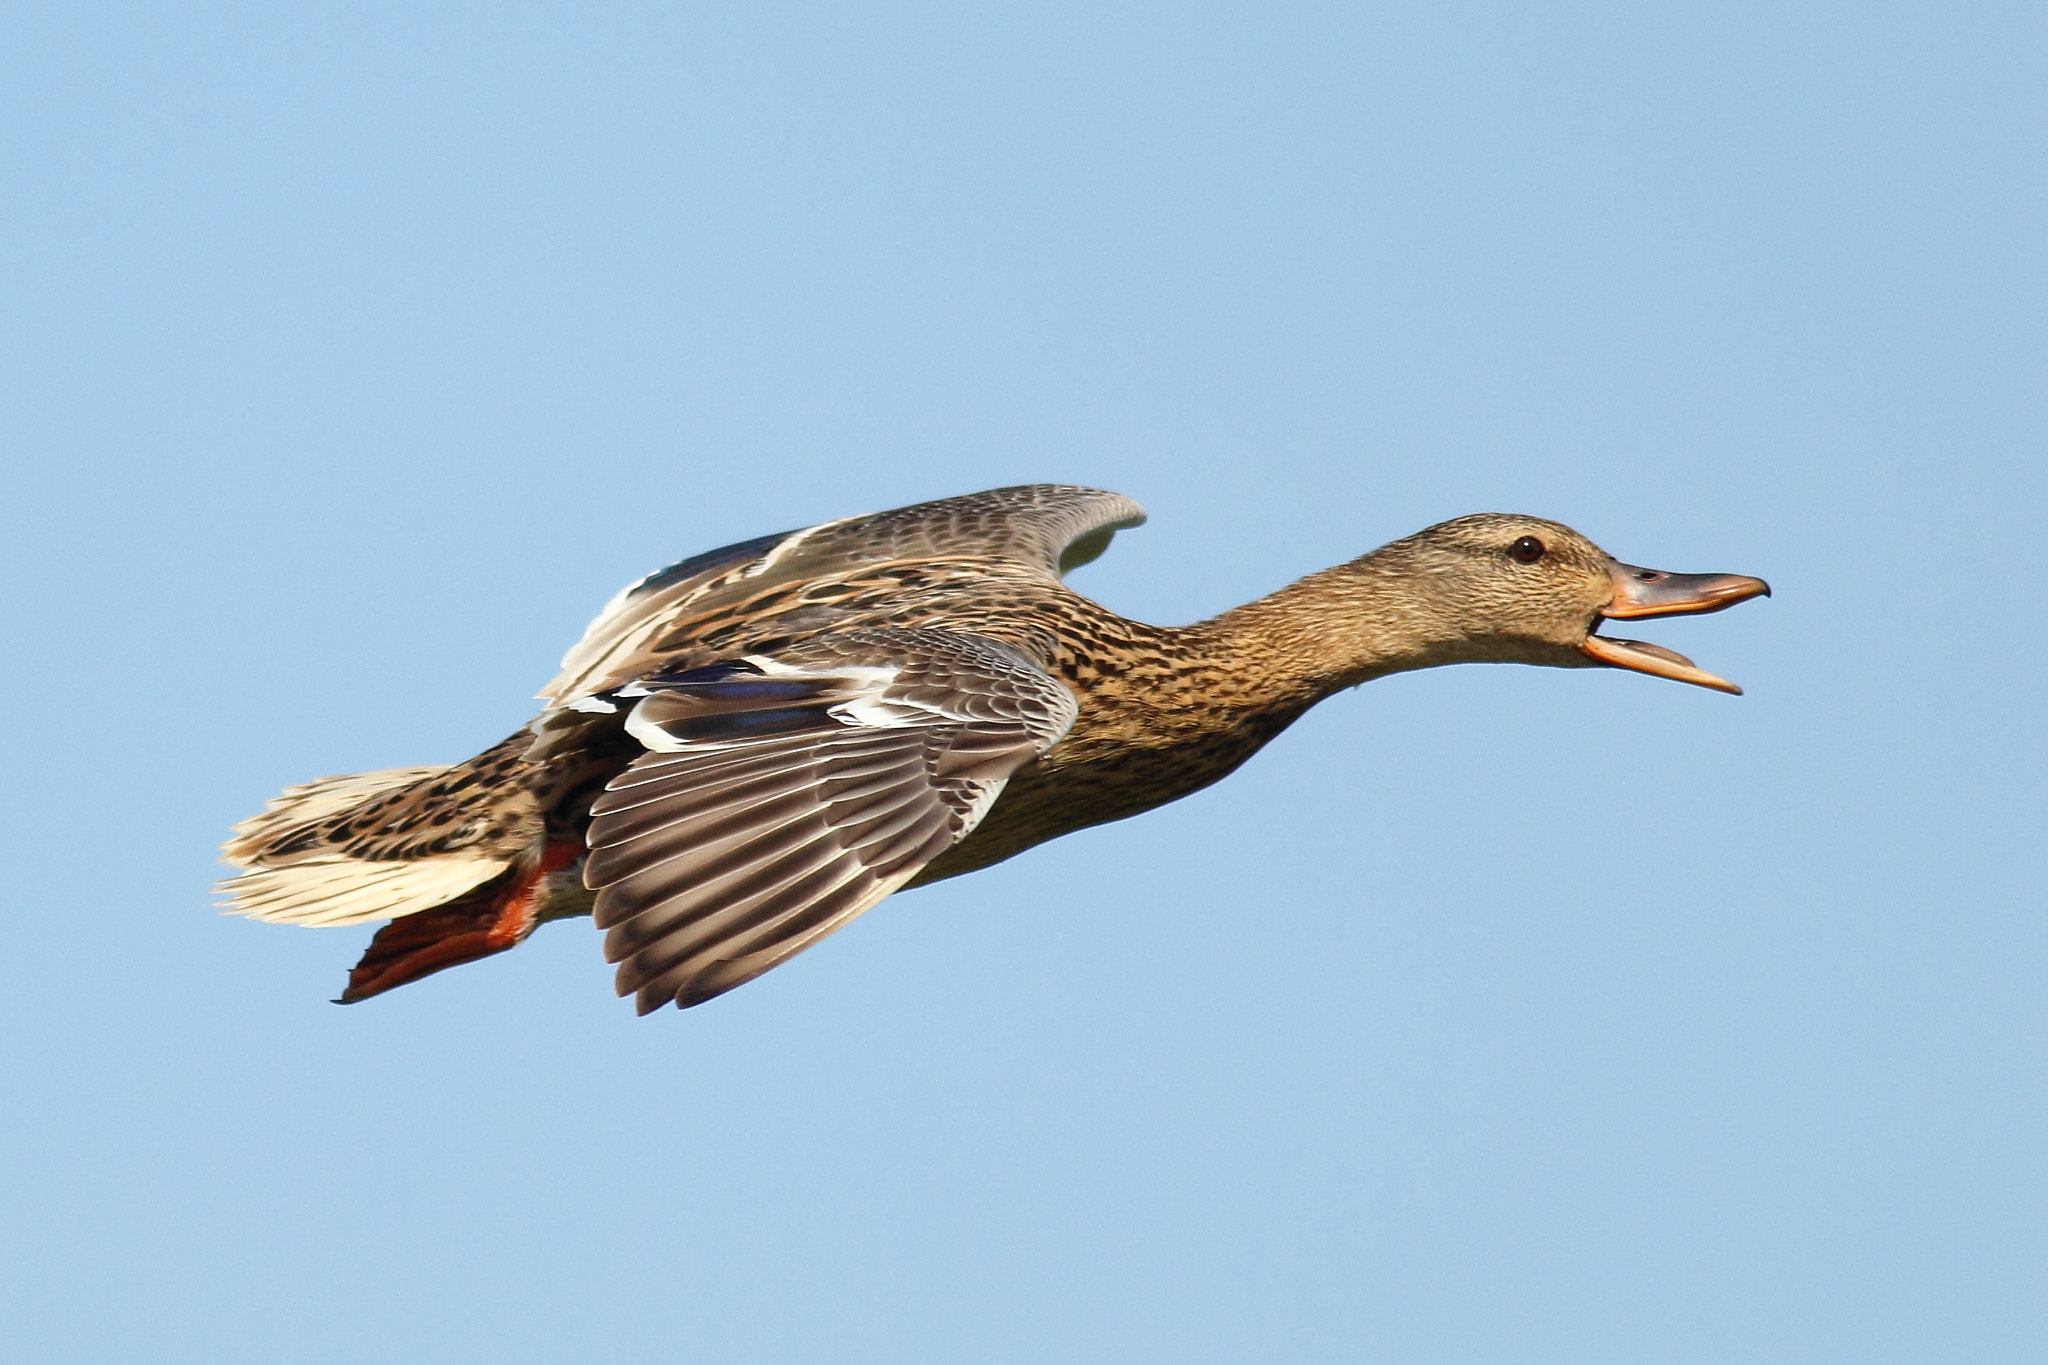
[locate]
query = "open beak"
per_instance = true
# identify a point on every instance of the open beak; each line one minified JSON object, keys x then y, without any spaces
{"x":1652,"y":592}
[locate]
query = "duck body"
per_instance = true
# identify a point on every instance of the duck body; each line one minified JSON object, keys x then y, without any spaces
{"x":751,"y":747}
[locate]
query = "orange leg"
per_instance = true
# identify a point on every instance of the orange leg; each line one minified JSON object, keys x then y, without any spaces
{"x":495,"y":916}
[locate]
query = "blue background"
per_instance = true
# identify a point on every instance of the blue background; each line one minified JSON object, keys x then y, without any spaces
{"x":351,"y":356}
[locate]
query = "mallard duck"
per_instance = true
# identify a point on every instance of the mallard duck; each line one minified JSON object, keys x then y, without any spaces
{"x":749,"y":748}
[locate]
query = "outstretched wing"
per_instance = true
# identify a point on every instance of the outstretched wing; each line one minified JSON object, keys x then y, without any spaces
{"x":781,"y":797}
{"x":1050,"y":527}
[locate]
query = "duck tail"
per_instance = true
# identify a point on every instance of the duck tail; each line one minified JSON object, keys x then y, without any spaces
{"x":457,"y":857}
{"x":300,"y":864}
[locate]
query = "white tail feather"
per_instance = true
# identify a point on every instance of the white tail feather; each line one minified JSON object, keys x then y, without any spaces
{"x":325,"y":892}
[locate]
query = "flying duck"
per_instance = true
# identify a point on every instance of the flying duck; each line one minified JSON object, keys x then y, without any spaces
{"x":749,"y":748}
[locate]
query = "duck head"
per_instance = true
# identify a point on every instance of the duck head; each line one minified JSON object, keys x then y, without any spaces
{"x":1517,"y":589}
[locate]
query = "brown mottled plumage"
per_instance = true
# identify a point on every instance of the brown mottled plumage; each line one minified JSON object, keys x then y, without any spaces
{"x":751,"y":747}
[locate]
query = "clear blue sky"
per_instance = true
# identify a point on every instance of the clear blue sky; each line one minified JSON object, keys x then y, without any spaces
{"x":351,"y":356}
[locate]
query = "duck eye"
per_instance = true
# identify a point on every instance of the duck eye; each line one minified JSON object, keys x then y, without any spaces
{"x":1527,"y":550}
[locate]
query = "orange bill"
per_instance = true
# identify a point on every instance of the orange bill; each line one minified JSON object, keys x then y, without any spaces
{"x":1642,"y":592}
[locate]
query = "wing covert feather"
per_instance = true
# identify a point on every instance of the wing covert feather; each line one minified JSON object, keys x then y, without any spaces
{"x":1052,"y":528}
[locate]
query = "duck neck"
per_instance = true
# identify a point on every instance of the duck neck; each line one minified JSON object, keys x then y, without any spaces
{"x":1341,"y":627}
